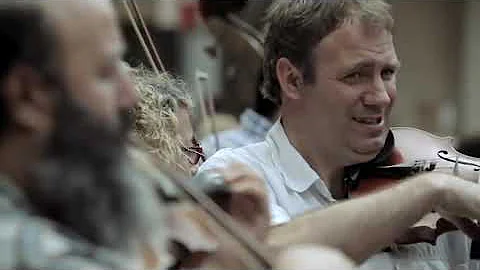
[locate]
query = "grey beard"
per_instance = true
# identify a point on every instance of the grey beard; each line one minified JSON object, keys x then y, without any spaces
{"x":79,"y":183}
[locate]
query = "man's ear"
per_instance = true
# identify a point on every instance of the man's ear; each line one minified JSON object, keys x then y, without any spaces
{"x":29,"y":99}
{"x":290,"y":78}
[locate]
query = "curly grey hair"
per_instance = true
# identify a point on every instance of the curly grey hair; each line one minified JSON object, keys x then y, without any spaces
{"x":155,"y":115}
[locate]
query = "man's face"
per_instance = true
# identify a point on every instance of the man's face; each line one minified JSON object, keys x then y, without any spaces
{"x":348,"y":105}
{"x":91,"y":50}
{"x":80,"y":181}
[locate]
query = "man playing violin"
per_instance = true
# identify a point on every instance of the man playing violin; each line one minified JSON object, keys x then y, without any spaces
{"x":63,"y":100}
{"x":331,"y":66}
{"x":68,"y":198}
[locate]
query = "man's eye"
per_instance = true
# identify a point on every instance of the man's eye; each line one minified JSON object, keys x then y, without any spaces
{"x":109,"y":71}
{"x":387,"y":74}
{"x":353,"y":78}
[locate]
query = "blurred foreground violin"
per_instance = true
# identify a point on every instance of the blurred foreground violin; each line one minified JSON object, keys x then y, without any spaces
{"x":407,"y":152}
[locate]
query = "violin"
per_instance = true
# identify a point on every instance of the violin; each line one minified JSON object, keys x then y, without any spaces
{"x":408,"y":152}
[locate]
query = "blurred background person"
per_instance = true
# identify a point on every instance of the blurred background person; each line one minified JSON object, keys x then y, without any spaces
{"x":163,"y":120}
{"x":236,"y":34}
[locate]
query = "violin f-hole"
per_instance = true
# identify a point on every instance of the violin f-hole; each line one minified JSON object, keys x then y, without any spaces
{"x":441,"y":154}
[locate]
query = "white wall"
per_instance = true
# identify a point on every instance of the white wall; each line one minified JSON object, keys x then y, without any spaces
{"x":427,"y":35}
{"x":470,"y":74}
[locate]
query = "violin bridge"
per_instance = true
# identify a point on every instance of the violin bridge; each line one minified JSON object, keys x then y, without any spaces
{"x":455,"y":167}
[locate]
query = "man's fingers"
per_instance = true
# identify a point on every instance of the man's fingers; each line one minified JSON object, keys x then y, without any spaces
{"x":468,"y":226}
{"x":243,"y":180}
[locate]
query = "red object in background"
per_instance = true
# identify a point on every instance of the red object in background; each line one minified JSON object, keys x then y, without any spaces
{"x":189,"y":15}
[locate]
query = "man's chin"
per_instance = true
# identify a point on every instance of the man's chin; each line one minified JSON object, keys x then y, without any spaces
{"x":367,"y":151}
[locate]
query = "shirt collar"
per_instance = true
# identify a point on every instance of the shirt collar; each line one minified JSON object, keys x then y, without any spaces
{"x":299,"y":175}
{"x":255,"y":123}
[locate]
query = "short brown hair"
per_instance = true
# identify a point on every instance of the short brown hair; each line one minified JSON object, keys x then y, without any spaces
{"x":294,"y":27}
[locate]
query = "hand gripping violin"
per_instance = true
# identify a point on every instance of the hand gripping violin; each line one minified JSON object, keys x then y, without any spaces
{"x":407,"y":152}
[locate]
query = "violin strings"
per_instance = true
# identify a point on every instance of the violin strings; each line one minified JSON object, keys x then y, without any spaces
{"x":440,"y":159}
{"x":456,"y":163}
{"x":417,"y":160}
{"x":451,"y":160}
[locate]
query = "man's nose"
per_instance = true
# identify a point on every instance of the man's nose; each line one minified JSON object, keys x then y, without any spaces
{"x":128,"y":97}
{"x":377,"y":95}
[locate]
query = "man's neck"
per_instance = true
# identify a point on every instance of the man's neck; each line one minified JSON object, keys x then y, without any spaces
{"x":318,"y":157}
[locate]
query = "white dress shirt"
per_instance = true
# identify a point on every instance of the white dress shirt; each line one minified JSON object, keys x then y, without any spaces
{"x":295,"y":188}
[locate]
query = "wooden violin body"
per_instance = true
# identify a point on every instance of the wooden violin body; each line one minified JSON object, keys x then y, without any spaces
{"x":411,"y":152}
{"x":418,"y":146}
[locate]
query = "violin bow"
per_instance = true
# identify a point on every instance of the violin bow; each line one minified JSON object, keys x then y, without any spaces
{"x":207,"y":103}
{"x":131,"y":8}
{"x":154,"y":59}
{"x":257,"y":255}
